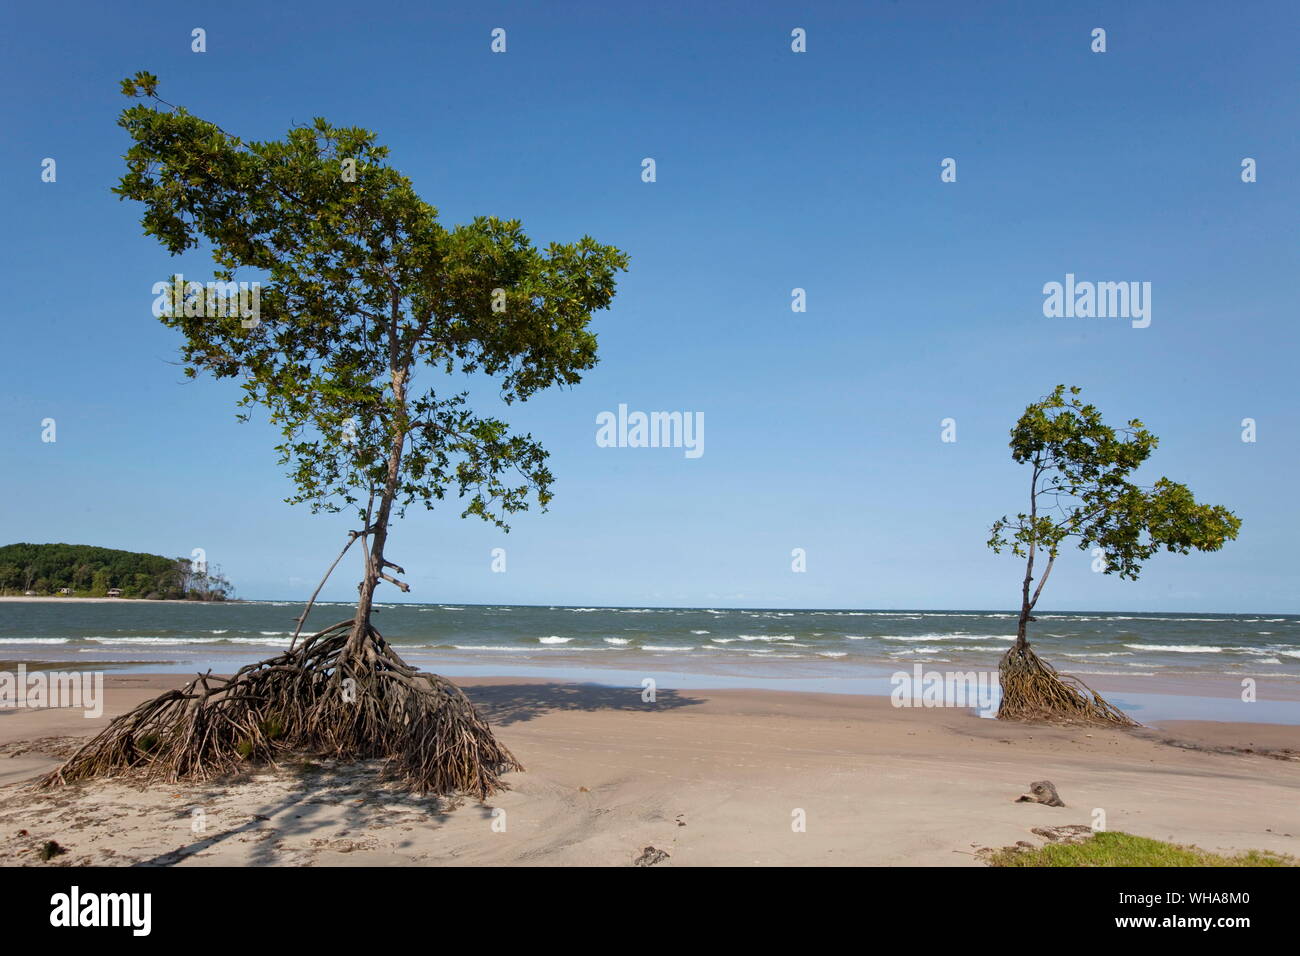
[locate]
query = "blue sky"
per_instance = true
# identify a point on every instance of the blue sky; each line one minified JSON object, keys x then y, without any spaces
{"x":775,"y":170}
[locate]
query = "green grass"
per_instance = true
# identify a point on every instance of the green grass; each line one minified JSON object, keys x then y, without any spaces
{"x":1124,"y":849}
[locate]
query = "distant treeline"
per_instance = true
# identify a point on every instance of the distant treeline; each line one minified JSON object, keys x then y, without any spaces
{"x":86,"y":571}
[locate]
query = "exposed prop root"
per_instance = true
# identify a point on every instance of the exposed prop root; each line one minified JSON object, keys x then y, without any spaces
{"x":336,"y":694}
{"x":1033,"y":690}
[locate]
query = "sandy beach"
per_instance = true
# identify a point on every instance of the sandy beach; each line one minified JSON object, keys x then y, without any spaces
{"x":710,"y":777}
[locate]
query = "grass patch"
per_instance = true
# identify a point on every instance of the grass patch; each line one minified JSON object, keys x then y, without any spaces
{"x":1124,"y":849}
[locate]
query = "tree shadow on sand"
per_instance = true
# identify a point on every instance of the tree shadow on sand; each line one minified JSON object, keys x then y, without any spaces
{"x":358,"y":791}
{"x":506,"y":704}
{"x":346,"y":800}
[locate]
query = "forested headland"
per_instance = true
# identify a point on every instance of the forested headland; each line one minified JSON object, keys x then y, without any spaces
{"x":81,"y":570}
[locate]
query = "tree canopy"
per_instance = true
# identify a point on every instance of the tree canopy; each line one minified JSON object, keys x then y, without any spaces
{"x":363,"y":289}
{"x":1082,"y":490}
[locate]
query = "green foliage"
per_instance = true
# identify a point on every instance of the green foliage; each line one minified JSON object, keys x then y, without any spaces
{"x":87,"y":570}
{"x":363,"y":288}
{"x":1081,"y":489}
{"x":1124,"y":849}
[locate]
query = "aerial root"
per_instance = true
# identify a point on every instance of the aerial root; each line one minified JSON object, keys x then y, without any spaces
{"x":340,"y":693}
{"x":1033,"y":690}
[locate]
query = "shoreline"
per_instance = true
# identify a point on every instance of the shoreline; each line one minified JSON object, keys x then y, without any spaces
{"x":1148,"y":700}
{"x":124,"y":682}
{"x":712,"y":777}
{"x":1215,"y":698}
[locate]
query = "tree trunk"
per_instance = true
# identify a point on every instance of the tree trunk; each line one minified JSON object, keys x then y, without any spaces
{"x":1026,"y":604}
{"x":375,"y":556}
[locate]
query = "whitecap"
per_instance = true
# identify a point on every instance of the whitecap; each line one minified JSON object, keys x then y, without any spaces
{"x":1177,"y":648}
{"x":485,"y":647}
{"x":155,"y":640}
{"x":952,"y":636}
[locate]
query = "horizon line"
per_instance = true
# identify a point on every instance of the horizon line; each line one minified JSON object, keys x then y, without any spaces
{"x":718,"y":607}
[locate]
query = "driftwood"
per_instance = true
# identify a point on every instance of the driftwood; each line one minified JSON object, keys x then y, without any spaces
{"x":1042,"y":791}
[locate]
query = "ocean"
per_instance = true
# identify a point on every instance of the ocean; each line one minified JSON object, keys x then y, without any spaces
{"x":723,"y":642}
